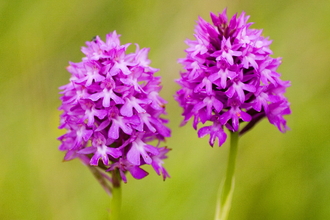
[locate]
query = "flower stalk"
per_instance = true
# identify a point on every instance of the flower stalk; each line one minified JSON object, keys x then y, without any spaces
{"x":227,"y":187}
{"x":115,"y":203}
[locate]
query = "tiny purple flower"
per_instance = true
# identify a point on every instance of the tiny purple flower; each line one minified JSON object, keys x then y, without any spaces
{"x":112,"y":109}
{"x":229,"y":78}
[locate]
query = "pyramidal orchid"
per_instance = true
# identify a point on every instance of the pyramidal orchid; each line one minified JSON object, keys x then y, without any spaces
{"x":112,"y":112}
{"x":229,"y":78}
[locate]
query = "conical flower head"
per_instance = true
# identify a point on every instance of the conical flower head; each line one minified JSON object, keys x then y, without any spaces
{"x":229,"y":77}
{"x":112,"y":109}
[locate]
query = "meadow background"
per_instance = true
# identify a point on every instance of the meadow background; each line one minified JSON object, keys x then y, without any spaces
{"x":278,"y":176}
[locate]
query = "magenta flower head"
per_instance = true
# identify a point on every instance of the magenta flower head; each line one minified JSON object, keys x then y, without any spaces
{"x":230,"y":78}
{"x":112,"y":110}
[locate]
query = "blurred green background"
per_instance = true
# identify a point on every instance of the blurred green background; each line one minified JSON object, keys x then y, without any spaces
{"x":278,"y":176}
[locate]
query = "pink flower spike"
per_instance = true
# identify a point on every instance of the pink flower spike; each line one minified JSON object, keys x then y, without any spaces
{"x":112,"y":111}
{"x":229,"y":77}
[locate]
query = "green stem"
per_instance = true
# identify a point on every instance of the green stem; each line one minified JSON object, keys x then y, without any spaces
{"x":227,"y":187}
{"x":115,"y":203}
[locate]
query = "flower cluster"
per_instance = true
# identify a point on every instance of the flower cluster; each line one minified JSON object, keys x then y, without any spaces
{"x":229,"y":78}
{"x":112,"y":109}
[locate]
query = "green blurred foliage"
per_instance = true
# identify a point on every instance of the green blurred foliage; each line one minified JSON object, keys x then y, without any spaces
{"x":278,"y":176}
